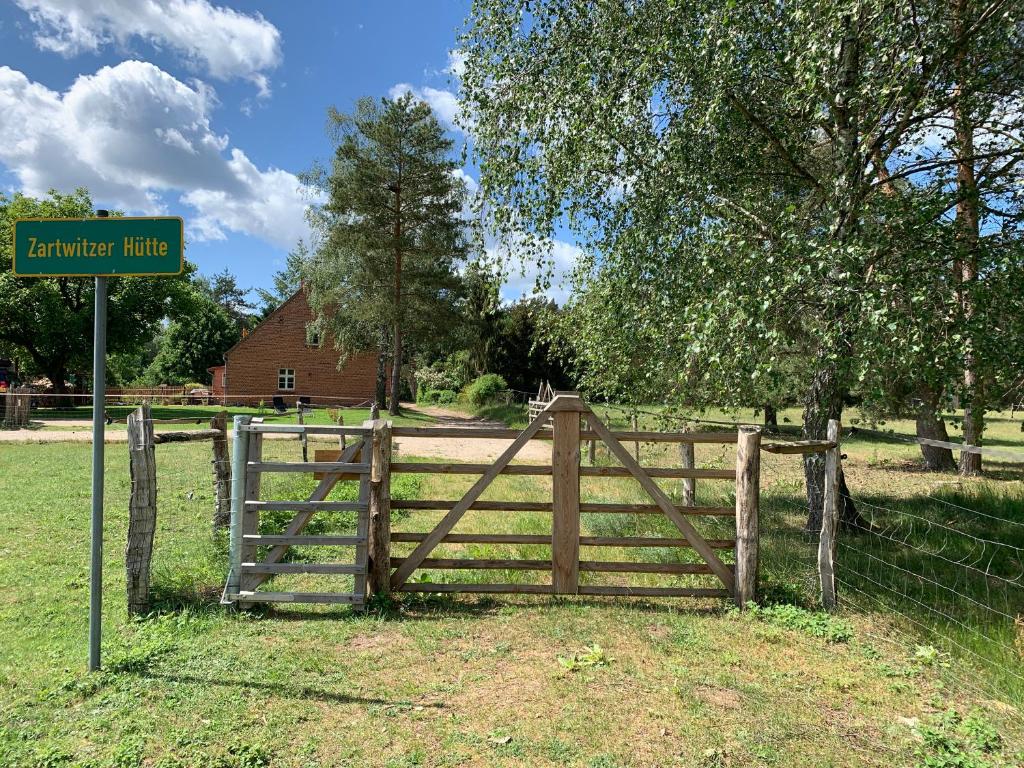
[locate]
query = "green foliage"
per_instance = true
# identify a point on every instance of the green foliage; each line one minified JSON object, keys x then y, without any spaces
{"x":452,"y":372}
{"x":950,"y":740}
{"x":523,"y":351}
{"x":384,"y":277}
{"x":49,"y":321}
{"x":590,"y":657}
{"x":286,"y":281}
{"x":436,"y":396}
{"x":813,"y":623}
{"x":223,"y":290}
{"x":485,"y":389}
{"x":760,"y":187}
{"x":193,"y":343}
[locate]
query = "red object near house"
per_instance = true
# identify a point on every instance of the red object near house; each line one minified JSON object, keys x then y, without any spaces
{"x":280,"y":358}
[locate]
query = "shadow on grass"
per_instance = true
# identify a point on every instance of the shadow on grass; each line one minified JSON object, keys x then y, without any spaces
{"x":284,"y":689}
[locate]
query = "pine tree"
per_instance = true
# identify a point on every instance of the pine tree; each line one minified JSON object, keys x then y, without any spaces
{"x":384,"y":277}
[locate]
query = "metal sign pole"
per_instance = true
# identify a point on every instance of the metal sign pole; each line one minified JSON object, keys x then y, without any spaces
{"x":99,"y":391}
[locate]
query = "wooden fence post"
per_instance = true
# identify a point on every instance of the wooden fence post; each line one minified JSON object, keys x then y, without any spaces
{"x":592,"y":452}
{"x":251,"y":515}
{"x":634,"y":423}
{"x":830,"y":520}
{"x":686,"y":461}
{"x":141,"y":508}
{"x":302,"y":435}
{"x":380,"y":510}
{"x":221,"y":472}
{"x":748,"y":491}
{"x":565,"y":490}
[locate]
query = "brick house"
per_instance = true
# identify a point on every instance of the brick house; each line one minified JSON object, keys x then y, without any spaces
{"x":279,"y":358}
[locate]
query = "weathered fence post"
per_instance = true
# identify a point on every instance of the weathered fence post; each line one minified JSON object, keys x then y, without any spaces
{"x":634,"y":422}
{"x":302,"y":435}
{"x":592,"y":452}
{"x":830,"y":520}
{"x":240,"y":454}
{"x":221,"y":472}
{"x":565,"y":489}
{"x":748,"y":492}
{"x":686,"y":461}
{"x":380,"y":510}
{"x":141,"y":508}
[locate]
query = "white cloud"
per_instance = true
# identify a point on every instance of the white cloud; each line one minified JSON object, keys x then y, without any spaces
{"x":521,"y":280}
{"x":223,"y":42}
{"x":132,"y":134}
{"x":456,"y":63}
{"x":444,"y":103}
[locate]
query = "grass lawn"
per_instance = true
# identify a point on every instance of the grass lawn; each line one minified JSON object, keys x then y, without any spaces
{"x":594,"y":683}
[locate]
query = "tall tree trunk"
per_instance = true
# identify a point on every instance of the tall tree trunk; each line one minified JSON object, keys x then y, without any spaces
{"x":381,"y":392}
{"x":396,"y":355}
{"x":824,"y":398}
{"x":823,"y":401}
{"x":967,"y":235}
{"x":931,"y":426}
{"x":396,"y":371}
{"x":771,"y":419}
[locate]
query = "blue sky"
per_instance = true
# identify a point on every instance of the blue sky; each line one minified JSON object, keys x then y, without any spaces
{"x":209,"y":111}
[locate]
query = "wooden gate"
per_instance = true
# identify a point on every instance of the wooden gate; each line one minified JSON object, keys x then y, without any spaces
{"x":567,"y":413}
{"x":248,"y":571}
{"x":378,"y":568}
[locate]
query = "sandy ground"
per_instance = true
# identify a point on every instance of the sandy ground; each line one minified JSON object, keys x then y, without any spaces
{"x":460,"y":449}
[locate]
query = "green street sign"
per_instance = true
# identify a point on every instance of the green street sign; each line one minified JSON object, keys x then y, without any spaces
{"x":115,"y":247}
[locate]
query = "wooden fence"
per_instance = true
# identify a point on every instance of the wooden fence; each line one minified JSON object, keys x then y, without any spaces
{"x":377,"y":569}
{"x":142,"y":504}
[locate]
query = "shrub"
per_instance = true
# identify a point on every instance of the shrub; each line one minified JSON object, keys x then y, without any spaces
{"x":485,"y":389}
{"x":436,"y":396}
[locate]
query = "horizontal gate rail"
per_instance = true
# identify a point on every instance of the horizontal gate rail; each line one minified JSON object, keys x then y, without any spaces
{"x":529,"y":589}
{"x":585,"y":541}
{"x":306,"y":506}
{"x":722,"y":438}
{"x":345,"y":568}
{"x":327,"y":467}
{"x":428,"y":468}
{"x":306,"y":541}
{"x":546,"y":506}
{"x":307,"y":429}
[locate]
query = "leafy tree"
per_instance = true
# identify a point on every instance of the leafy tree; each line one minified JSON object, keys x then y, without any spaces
{"x":193,"y":343}
{"x":748,"y":146}
{"x":223,"y":289}
{"x":482,"y":309}
{"x":286,"y":281}
{"x":50,"y":320}
{"x":391,"y":233}
{"x":521,"y":351}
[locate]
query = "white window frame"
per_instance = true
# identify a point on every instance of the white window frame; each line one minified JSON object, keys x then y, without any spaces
{"x":286,"y":376}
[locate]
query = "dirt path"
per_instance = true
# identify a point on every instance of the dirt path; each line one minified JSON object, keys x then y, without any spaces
{"x":458,"y":449}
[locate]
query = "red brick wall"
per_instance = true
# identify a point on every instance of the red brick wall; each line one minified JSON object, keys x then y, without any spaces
{"x":280,"y":342}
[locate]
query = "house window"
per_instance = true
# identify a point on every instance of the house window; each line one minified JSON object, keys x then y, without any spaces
{"x":286,"y":378}
{"x":312,"y":337}
{"x":223,"y":379}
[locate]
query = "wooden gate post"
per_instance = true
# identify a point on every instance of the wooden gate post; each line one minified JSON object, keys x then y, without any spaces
{"x":141,"y":508}
{"x":221,"y":472}
{"x":239,"y":456}
{"x":565,"y":490}
{"x":830,"y":520}
{"x":748,"y":491}
{"x":380,"y":510}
